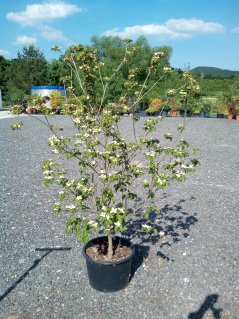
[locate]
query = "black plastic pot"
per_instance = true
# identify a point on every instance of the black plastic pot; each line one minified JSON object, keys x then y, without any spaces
{"x":164,"y":113}
{"x":109,"y":276}
{"x":203,"y":114}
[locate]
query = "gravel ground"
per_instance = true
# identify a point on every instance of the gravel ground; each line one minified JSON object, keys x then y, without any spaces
{"x":191,"y":273}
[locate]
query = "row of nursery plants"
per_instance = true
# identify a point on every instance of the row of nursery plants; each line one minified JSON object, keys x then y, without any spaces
{"x":210,"y":107}
{"x":120,"y":174}
{"x":166,"y":106}
{"x":35,"y":102}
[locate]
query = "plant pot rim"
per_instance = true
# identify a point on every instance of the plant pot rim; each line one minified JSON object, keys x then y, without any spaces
{"x":113,"y":262}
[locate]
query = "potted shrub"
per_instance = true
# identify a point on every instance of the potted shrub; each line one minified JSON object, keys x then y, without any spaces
{"x":118,"y":108}
{"x":56,"y":99}
{"x":221,"y":111}
{"x":165,"y":107}
{"x":221,"y":107}
{"x":34,"y":103}
{"x":231,"y":108}
{"x":114,"y":168}
{"x":197,"y":110}
{"x":184,"y":100}
{"x":188,"y":103}
{"x":22,"y":103}
{"x":17,"y":109}
{"x":154,"y":107}
{"x":237,"y":111}
{"x":174,"y":110}
{"x":205,"y":109}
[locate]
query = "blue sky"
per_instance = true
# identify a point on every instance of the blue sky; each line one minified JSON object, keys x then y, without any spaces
{"x":201,"y":32}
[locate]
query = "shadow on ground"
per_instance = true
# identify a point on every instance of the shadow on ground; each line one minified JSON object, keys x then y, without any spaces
{"x":207,"y":305}
{"x":33,"y":266}
{"x":173,"y":224}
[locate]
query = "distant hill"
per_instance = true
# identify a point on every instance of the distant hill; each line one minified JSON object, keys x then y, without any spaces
{"x":208,"y":71}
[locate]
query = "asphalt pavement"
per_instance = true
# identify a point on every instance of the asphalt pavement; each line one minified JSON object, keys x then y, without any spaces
{"x":190,"y":273}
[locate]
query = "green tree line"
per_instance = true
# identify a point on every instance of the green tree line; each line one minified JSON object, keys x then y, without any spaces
{"x":30,"y":67}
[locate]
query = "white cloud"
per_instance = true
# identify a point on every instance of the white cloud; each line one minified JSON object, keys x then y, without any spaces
{"x":194,"y":25}
{"x":170,"y":30}
{"x":236,"y":30}
{"x":38,"y":13}
{"x":25,"y":40}
{"x":36,"y":16}
{"x":51,"y":34}
{"x":4,"y":52}
{"x":161,"y":31}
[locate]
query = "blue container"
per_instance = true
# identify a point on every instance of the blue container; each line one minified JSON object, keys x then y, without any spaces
{"x":45,"y":90}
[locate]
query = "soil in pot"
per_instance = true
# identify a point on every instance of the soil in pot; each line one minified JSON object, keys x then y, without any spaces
{"x":98,"y":251}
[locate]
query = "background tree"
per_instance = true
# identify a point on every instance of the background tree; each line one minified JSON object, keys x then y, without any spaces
{"x":29,"y":68}
{"x":4,"y":65}
{"x":56,"y":71}
{"x":111,"y":53}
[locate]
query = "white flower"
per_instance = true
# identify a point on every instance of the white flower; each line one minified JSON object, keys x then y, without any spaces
{"x":145,"y":183}
{"x":146,"y":226}
{"x":171,"y":92}
{"x":48,"y":177}
{"x":182,"y":92}
{"x":96,"y":130}
{"x":179,"y":174}
{"x":160,"y":181}
{"x":53,"y":139}
{"x":47,"y":172}
{"x":92,"y":223}
{"x":57,"y":204}
{"x":121,"y":210}
{"x":78,"y":142}
{"x":180,"y":127}
{"x":117,"y":224}
{"x":167,"y":69}
{"x":113,"y":211}
{"x":56,"y":48}
{"x":150,"y":154}
{"x":71,"y":207}
{"x":114,"y":143}
{"x":77,"y":120}
{"x":159,"y":53}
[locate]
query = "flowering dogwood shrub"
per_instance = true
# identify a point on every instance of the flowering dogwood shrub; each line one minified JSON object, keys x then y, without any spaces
{"x":113,"y":169}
